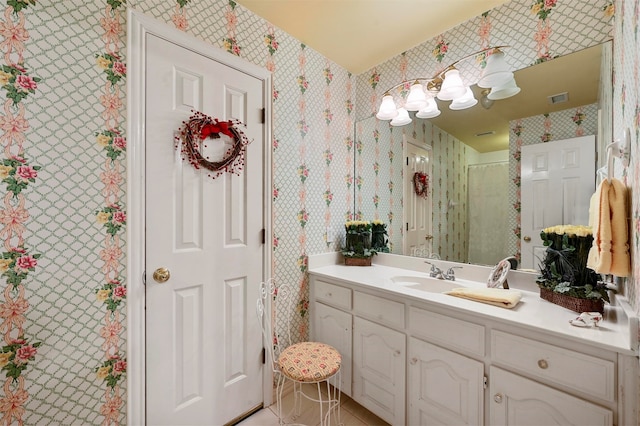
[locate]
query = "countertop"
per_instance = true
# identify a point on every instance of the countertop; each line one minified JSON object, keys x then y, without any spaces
{"x":617,"y":331}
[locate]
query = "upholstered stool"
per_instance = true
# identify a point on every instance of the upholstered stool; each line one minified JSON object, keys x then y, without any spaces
{"x":302,"y":363}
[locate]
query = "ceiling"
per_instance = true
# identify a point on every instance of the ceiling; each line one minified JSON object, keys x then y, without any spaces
{"x":376,"y":29}
{"x":360,"y":34}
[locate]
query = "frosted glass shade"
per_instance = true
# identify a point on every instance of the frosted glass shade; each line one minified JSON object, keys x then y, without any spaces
{"x":402,"y":118}
{"x":416,"y":99}
{"x":496,"y":73}
{"x":465,"y":101}
{"x":503,"y":92}
{"x":387,"y":109}
{"x":452,"y":86}
{"x":430,"y":111}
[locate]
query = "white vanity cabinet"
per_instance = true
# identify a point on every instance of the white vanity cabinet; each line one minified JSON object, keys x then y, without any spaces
{"x":419,"y":362}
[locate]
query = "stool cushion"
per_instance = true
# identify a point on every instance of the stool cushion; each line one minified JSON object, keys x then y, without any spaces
{"x":309,"y":361}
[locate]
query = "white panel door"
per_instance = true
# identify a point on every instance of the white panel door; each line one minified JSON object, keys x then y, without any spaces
{"x":333,"y":327}
{"x":203,"y":338}
{"x":379,"y":370}
{"x":558,"y":179}
{"x":445,"y":388}
{"x":417,"y":209}
{"x":516,"y":401}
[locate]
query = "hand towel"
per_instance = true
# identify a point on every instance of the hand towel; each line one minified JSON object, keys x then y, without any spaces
{"x":609,"y":253}
{"x":493,"y":296}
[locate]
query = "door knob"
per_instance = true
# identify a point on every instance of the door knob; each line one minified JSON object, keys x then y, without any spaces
{"x":428,"y":237}
{"x":527,"y":239}
{"x":161,"y":275}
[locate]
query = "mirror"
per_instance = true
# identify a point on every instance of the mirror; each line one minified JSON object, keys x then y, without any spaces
{"x":478,"y":145}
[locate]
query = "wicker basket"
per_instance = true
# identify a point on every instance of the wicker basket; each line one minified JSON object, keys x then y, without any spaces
{"x":357,"y":261}
{"x":573,"y":303}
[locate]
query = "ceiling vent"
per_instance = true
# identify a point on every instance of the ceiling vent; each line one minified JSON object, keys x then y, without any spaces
{"x":558,"y":99}
{"x":492,"y":132}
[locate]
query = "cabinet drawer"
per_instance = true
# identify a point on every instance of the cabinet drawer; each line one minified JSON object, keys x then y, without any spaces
{"x":332,"y":294}
{"x":446,"y":331}
{"x":584,"y":373}
{"x":379,"y":309}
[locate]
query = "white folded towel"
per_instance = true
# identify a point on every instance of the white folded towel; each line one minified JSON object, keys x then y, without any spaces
{"x":493,"y":296}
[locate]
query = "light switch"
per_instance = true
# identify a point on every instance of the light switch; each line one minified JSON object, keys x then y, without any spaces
{"x":329,"y":234}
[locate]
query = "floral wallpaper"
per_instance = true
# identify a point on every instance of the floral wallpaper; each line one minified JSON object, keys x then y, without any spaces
{"x":626,"y":115}
{"x":64,"y":216}
{"x":63,"y":129}
{"x":18,"y":171}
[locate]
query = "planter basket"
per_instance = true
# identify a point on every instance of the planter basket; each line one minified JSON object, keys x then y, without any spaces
{"x":357,"y":261}
{"x":573,"y":303}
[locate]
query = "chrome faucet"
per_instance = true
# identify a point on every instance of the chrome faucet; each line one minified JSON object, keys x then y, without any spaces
{"x":435,"y":271}
{"x":450,"y":274}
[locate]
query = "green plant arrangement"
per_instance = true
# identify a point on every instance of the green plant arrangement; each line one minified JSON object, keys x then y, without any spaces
{"x":358,"y":242}
{"x":564,"y":272}
{"x":379,"y":236}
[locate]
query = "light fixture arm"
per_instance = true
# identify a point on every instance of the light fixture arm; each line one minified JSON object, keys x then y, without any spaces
{"x":436,"y":80}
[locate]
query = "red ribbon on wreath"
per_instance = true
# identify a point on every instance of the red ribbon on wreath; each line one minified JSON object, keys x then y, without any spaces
{"x":214,"y":129}
{"x":421,"y":184}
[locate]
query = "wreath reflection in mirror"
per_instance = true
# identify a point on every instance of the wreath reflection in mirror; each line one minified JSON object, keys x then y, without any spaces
{"x":421,"y":184}
{"x":201,"y":127}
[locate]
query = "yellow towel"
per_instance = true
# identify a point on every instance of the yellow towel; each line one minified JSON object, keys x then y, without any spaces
{"x":608,"y":216}
{"x":492,"y":296}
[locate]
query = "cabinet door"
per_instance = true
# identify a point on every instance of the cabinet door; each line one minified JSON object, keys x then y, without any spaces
{"x":519,"y":401}
{"x":379,"y":370}
{"x":445,"y":388}
{"x":333,"y":327}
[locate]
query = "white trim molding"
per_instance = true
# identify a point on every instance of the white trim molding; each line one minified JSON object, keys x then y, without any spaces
{"x":139,"y":26}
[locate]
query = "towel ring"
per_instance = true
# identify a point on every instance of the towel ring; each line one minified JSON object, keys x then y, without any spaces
{"x":621,"y":149}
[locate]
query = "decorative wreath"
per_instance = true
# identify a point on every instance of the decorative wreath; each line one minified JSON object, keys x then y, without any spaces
{"x":421,"y":184}
{"x":193,"y":134}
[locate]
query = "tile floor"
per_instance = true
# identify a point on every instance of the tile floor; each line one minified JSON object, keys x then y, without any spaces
{"x":351,"y":413}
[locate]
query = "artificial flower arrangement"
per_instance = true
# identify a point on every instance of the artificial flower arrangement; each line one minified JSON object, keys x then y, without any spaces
{"x":379,"y":236}
{"x":564,"y":268}
{"x":358,"y":240}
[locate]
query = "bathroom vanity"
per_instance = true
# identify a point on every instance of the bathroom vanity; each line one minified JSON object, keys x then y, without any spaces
{"x":413,"y":355}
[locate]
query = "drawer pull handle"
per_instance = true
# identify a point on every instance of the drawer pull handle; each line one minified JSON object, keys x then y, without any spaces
{"x":397,"y":353}
{"x":413,"y":361}
{"x":543,"y":364}
{"x":498,"y":398}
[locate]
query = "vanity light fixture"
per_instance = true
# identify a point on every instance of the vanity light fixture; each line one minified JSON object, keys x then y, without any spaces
{"x":448,"y":85}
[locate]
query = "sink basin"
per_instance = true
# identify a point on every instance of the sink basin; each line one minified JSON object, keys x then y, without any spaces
{"x":432,"y":285}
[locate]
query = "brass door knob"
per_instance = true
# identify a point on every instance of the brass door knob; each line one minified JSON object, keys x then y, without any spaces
{"x":527,"y":239}
{"x":428,"y":237}
{"x":161,"y":275}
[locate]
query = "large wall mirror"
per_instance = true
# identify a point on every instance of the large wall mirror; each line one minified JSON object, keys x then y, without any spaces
{"x":475,"y":171}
